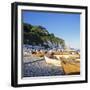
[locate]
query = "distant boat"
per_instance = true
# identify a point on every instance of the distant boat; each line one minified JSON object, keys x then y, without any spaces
{"x":56,"y":62}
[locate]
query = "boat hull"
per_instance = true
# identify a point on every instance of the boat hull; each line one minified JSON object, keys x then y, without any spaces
{"x":55,"y":62}
{"x":71,"y":68}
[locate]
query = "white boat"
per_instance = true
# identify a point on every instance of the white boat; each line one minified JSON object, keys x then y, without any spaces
{"x":56,"y":62}
{"x":77,"y":60}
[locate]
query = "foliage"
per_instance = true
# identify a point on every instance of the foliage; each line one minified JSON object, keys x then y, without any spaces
{"x":38,"y":35}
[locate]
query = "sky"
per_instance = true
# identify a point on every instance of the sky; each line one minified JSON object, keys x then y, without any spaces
{"x":63,"y":25}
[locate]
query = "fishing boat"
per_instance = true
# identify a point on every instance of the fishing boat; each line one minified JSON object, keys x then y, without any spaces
{"x":71,"y":67}
{"x":53,"y":61}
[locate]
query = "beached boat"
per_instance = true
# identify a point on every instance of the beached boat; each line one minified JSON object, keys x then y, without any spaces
{"x":70,"y":67}
{"x":78,"y":60}
{"x":56,"y":62}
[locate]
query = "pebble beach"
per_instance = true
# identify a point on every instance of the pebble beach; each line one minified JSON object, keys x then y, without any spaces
{"x":34,"y":68}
